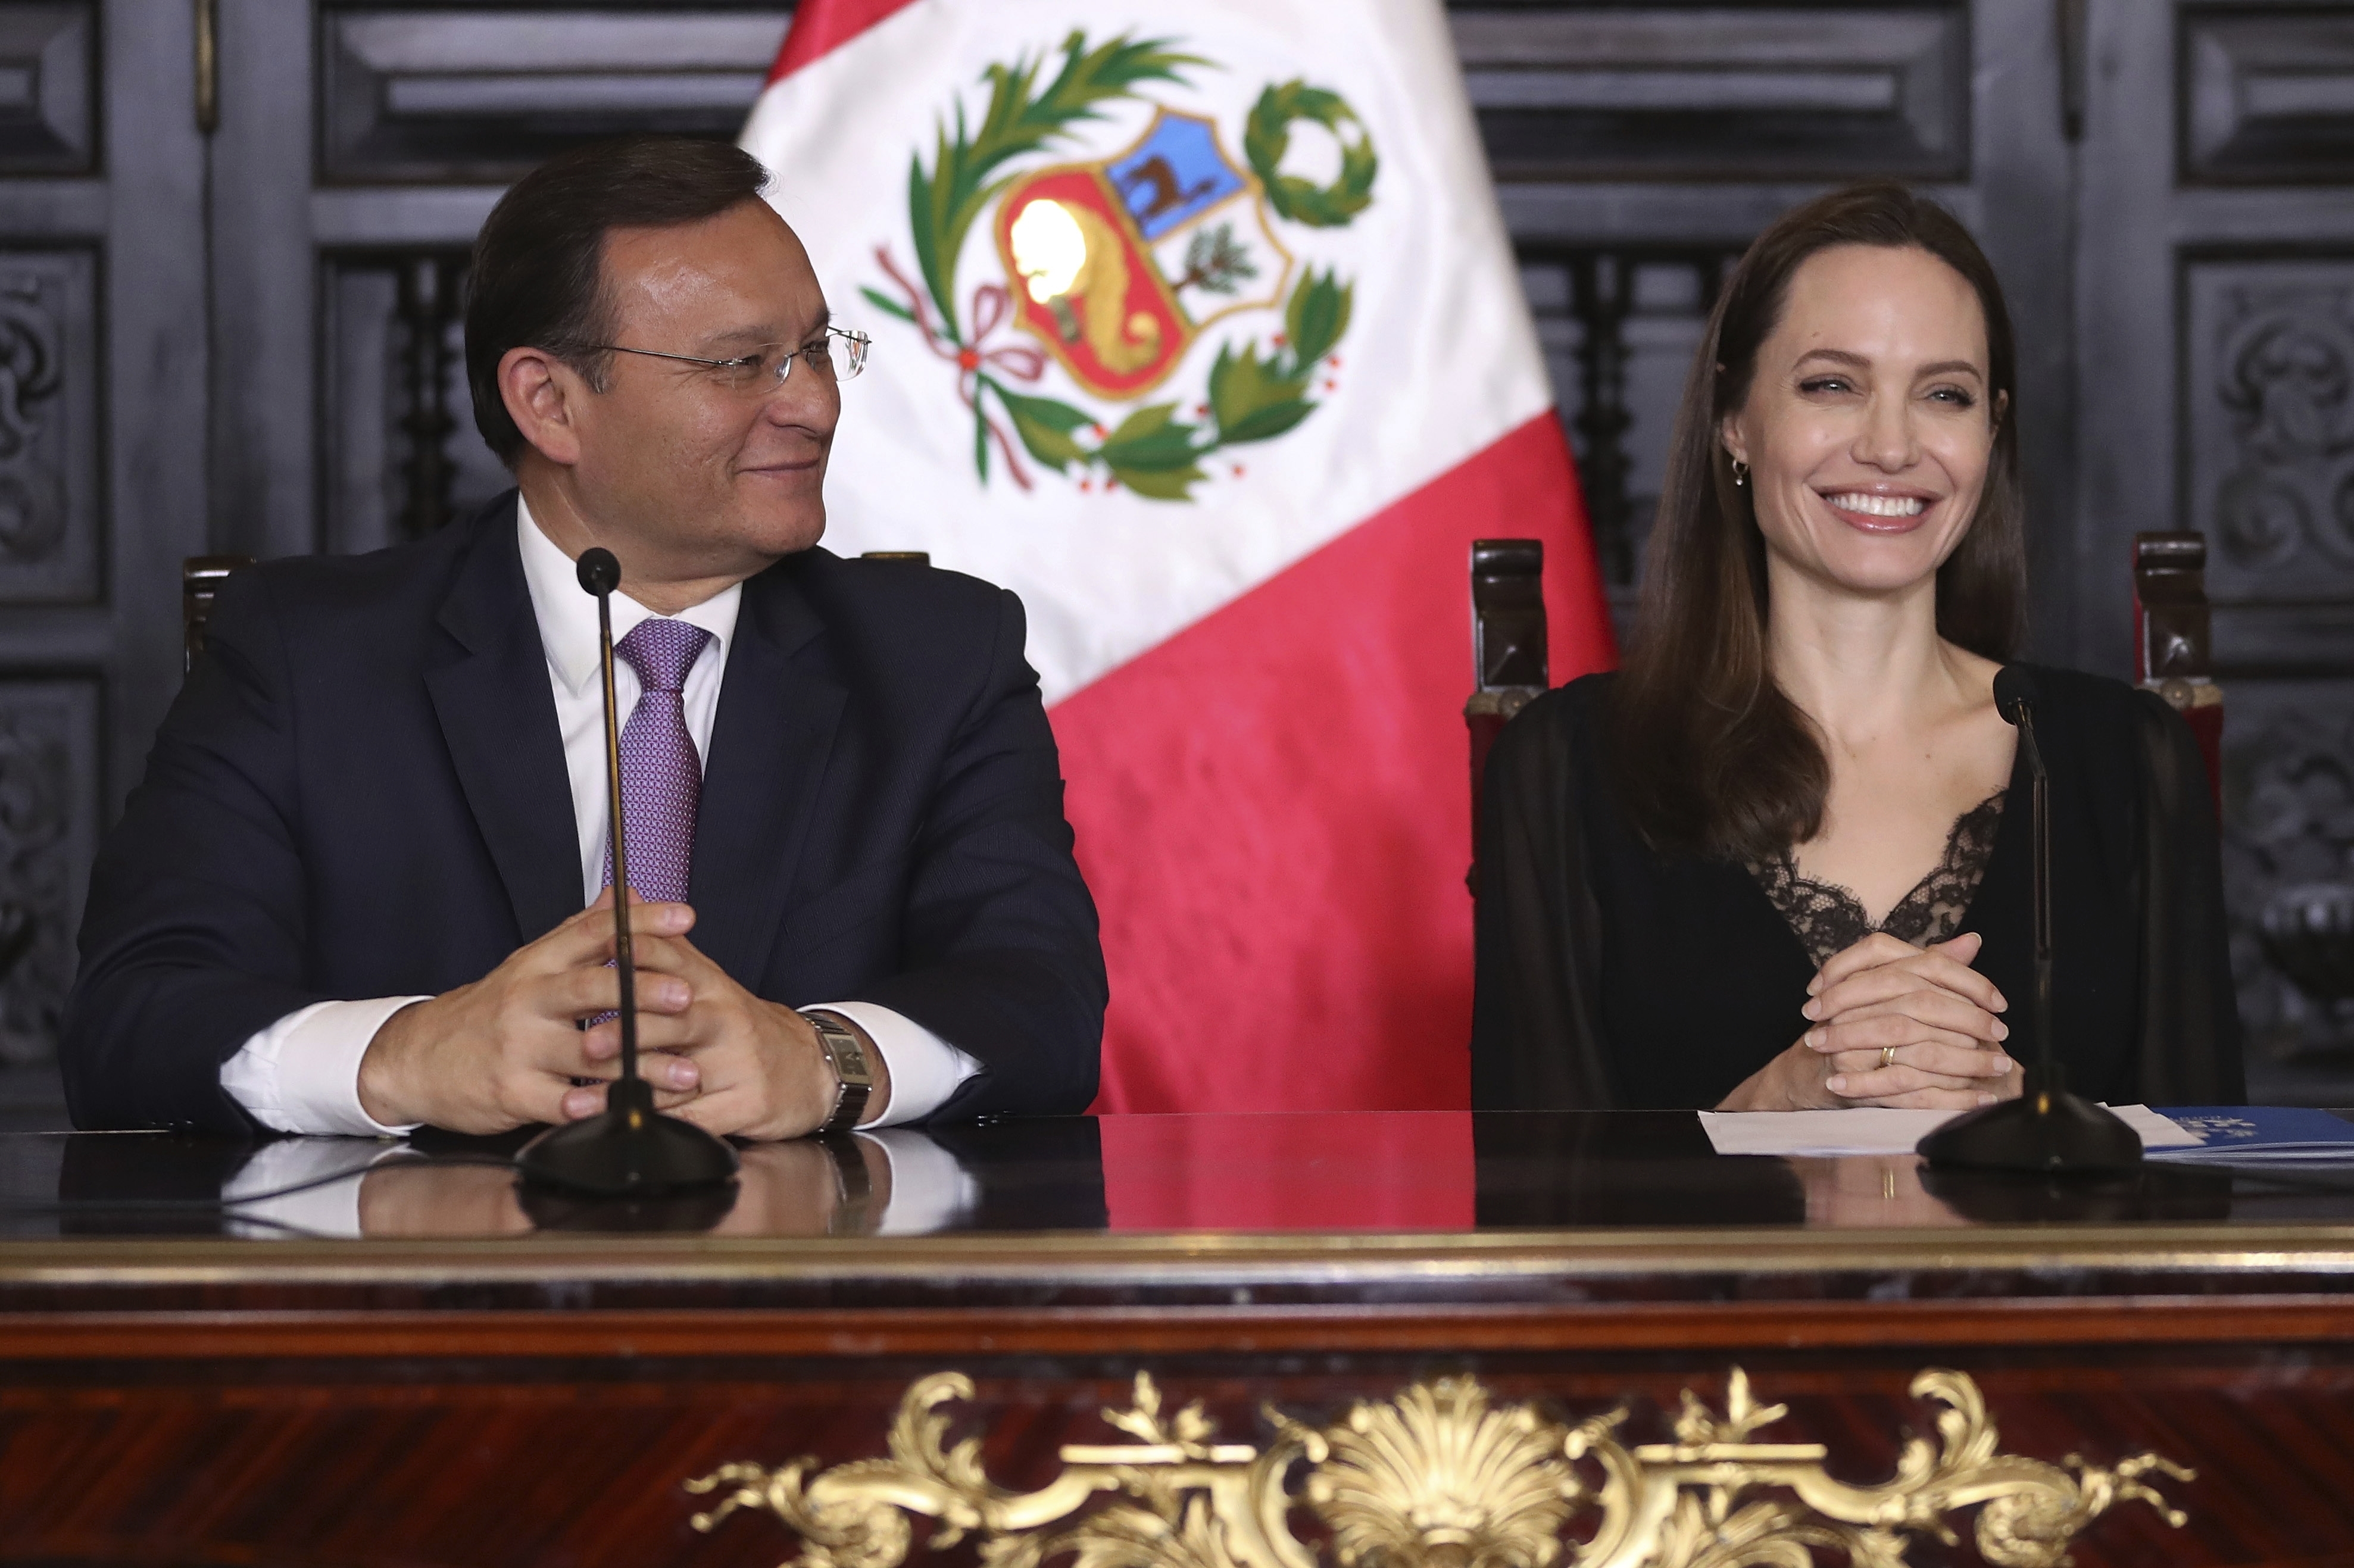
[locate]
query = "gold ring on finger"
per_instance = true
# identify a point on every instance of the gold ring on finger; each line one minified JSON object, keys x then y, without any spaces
{"x":1888,"y":1055}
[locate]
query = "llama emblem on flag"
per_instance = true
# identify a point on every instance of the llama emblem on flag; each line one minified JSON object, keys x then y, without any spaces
{"x":1117,"y":268}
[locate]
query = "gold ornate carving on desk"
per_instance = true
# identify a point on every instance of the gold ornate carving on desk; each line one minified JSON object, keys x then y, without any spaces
{"x":1440,"y":1475}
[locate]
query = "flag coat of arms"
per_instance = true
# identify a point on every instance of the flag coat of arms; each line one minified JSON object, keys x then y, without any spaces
{"x":1197,"y":328}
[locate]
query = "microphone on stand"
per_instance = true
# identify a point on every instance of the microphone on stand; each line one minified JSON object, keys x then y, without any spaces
{"x":629,"y":1149}
{"x":2046,"y":1130}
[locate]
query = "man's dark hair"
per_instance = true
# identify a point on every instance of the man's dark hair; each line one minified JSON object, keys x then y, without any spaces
{"x":536,"y":279}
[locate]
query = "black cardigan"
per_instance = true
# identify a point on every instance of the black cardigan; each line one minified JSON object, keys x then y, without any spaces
{"x":1611,"y":975}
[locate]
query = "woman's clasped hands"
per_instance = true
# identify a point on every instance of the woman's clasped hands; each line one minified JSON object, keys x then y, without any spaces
{"x":1892,"y":1024}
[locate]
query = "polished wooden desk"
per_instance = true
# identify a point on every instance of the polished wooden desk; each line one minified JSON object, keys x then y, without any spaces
{"x":1420,"y":1339}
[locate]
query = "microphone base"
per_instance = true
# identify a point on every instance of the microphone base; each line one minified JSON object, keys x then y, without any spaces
{"x":627,"y":1151}
{"x":2047,"y":1131}
{"x":690,"y":1213}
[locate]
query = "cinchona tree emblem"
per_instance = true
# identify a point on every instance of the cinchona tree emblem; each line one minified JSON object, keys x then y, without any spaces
{"x":1117,"y":268}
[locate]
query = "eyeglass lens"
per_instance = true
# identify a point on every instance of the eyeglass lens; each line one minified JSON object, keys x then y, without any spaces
{"x":837,"y":356}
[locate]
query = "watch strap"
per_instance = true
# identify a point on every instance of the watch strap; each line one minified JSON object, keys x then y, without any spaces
{"x":854,"y":1189}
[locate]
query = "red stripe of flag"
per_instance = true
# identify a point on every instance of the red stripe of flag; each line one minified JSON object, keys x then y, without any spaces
{"x":1390,"y":1173}
{"x":820,"y":27}
{"x":1274,"y":811}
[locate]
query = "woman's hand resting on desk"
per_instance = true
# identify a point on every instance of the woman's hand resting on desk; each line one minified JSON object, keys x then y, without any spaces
{"x":1926,"y":1004}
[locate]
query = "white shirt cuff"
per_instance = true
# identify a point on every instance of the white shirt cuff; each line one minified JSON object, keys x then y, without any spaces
{"x":925,"y":1069}
{"x":330,"y":1209}
{"x":930,"y":1190}
{"x":303,"y":1073}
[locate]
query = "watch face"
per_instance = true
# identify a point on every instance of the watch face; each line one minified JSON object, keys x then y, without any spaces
{"x":848,"y":1056}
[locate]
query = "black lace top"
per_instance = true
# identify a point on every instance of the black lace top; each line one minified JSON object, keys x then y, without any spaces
{"x":1828,"y":918}
{"x":1614,"y":974}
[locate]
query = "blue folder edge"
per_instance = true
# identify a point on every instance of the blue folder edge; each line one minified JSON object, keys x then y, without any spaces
{"x":2260,"y":1133}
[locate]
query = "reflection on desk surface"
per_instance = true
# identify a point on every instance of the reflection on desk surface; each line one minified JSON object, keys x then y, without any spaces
{"x":1394,"y":1172}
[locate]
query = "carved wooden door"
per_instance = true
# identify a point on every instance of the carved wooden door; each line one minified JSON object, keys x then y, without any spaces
{"x":104,"y":382}
{"x":2215,"y":390}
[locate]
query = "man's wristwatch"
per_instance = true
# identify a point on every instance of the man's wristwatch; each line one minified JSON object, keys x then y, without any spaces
{"x":854,"y":1189}
{"x":853,"y":1074}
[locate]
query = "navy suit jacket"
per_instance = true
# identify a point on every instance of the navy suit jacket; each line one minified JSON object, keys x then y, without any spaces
{"x":361,"y":792}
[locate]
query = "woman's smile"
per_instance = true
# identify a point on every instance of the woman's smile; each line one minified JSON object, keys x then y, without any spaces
{"x":1876,"y":512}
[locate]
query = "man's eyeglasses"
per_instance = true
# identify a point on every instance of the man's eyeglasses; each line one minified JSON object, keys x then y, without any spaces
{"x":838,"y":355}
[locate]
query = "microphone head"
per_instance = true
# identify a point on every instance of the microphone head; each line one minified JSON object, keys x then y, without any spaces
{"x":600,"y":573}
{"x":2015,"y":690}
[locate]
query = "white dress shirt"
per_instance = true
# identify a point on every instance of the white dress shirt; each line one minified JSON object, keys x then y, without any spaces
{"x":303,"y":1073}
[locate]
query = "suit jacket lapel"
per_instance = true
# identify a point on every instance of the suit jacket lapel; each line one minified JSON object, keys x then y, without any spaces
{"x":498,"y":718}
{"x":770,"y":745}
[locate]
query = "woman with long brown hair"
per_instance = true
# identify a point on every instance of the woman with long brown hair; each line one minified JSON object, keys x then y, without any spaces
{"x":1776,"y":863}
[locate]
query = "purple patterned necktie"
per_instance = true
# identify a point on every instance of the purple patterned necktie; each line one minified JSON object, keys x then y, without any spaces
{"x":661,"y":777}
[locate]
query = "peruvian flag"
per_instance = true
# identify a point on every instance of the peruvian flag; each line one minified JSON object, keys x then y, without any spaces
{"x":1196,"y":326}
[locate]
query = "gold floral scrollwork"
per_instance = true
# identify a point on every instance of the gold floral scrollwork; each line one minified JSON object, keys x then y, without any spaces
{"x":1440,"y":1476}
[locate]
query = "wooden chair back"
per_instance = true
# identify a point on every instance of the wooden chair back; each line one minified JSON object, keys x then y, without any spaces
{"x":201,"y":580}
{"x":2173,"y":643}
{"x":1507,"y":652}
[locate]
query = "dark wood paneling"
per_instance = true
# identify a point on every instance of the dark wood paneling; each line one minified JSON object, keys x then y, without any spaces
{"x":102,"y":470}
{"x":48,"y":831}
{"x":2266,"y":392}
{"x":285,"y":1337}
{"x":1761,"y":93}
{"x":2267,"y":94}
{"x":261,"y":488}
{"x":1618,"y":325}
{"x":48,"y":105}
{"x":2288,"y":759}
{"x":401,"y":453}
{"x":2268,"y":395}
{"x":424,"y":1463}
{"x":155,"y":340}
{"x":483,"y":95}
{"x":49,"y":398}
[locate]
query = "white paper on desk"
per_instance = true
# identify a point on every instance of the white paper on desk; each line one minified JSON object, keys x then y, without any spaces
{"x":1875,"y":1130}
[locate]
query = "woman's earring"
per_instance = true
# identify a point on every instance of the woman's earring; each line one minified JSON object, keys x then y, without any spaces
{"x":1740,"y":473}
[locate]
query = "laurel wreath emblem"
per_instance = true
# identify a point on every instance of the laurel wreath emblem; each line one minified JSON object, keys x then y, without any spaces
{"x":1255,"y":393}
{"x":1267,"y":136}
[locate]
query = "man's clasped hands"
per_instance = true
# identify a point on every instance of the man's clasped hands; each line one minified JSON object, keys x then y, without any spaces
{"x":510,"y":1048}
{"x":1889,"y":1023}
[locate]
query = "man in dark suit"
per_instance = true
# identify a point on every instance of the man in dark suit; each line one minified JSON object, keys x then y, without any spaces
{"x":348,"y":895}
